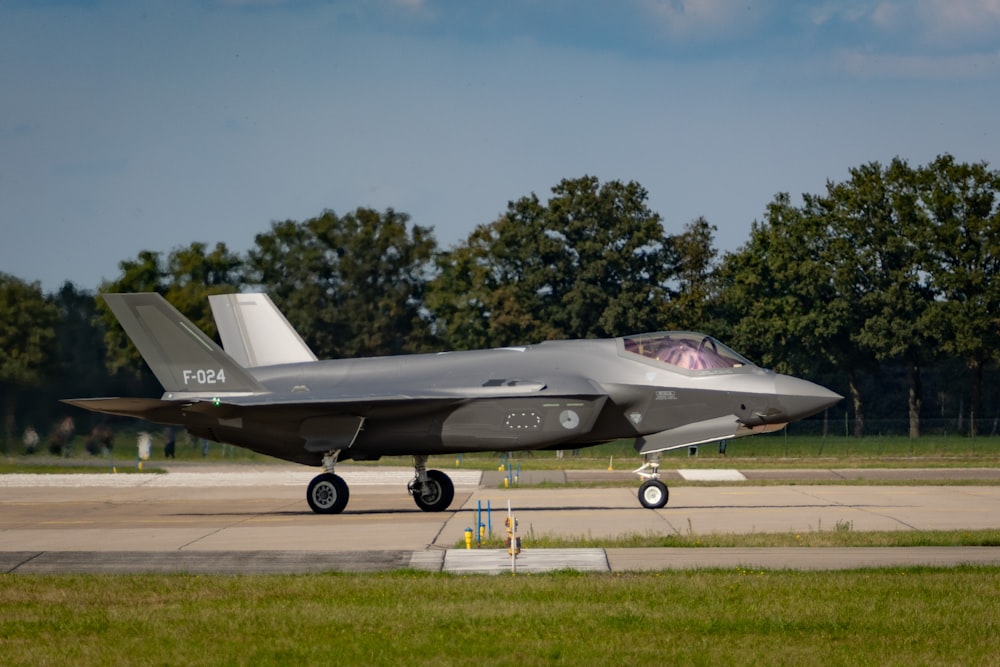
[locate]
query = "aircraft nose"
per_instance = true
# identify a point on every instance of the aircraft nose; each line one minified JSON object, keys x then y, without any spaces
{"x":798,"y":399}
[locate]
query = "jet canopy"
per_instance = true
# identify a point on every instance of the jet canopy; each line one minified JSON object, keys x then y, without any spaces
{"x":685,"y":349}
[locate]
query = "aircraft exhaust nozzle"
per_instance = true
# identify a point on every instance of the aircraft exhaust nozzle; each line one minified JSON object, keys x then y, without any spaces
{"x":797,"y":399}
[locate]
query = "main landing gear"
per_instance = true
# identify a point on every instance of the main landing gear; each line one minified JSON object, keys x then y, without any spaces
{"x":432,"y":490}
{"x":328,"y":492}
{"x":653,"y":494}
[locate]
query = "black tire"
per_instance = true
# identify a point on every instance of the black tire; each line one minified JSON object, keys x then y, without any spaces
{"x":653,"y":494}
{"x":327,"y":494}
{"x":436,"y":493}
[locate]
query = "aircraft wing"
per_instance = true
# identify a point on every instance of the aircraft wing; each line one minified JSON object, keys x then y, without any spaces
{"x":357,"y":401}
{"x":168,"y":410}
{"x":362,"y":397}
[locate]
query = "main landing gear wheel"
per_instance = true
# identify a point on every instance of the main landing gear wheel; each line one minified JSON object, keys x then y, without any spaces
{"x":327,"y":494}
{"x":653,"y":494}
{"x":435,"y":493}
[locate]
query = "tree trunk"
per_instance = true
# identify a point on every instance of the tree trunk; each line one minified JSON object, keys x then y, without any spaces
{"x":9,"y":417}
{"x":859,"y":408}
{"x":976,"y":393}
{"x":916,"y":399}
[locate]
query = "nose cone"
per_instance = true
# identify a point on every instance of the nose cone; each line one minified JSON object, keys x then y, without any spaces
{"x":798,"y":399}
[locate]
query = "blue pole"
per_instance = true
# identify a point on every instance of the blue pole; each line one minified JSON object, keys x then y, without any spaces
{"x":479,"y":520}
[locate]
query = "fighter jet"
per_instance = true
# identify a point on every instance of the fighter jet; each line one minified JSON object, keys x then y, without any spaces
{"x":267,"y":392}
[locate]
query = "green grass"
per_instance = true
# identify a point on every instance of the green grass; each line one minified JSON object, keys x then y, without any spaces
{"x":886,"y":617}
{"x":841,"y":534}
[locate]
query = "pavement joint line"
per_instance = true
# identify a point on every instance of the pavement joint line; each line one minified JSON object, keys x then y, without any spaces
{"x":27,"y":560}
{"x":492,"y":561}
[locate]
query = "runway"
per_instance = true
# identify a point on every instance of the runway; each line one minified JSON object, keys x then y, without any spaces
{"x":249,"y":519}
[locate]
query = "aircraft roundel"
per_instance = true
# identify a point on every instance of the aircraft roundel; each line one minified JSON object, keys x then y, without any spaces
{"x":569,"y":419}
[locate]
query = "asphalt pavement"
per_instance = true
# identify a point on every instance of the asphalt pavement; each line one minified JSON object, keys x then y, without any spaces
{"x":254,"y":519}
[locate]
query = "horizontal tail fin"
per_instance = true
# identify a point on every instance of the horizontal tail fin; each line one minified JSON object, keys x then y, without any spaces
{"x":181,"y":357}
{"x":151,"y":409}
{"x":255,"y":333}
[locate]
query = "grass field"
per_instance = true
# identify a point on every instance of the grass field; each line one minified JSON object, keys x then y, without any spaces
{"x":841,"y":534}
{"x":877,"y":617}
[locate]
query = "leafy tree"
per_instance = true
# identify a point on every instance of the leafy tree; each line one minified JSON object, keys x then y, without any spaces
{"x":80,"y":338}
{"x":963,"y":246}
{"x":784,"y":294}
{"x":143,"y":274}
{"x":352,"y":285}
{"x":494,"y":289}
{"x":27,"y":342}
{"x":594,"y":261}
{"x":875,"y":221}
{"x":696,"y":256}
{"x":194,"y":273}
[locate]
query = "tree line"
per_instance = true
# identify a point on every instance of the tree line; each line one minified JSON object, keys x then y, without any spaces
{"x":889,"y":274}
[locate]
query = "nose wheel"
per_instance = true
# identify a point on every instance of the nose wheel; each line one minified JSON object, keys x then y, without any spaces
{"x":653,"y":494}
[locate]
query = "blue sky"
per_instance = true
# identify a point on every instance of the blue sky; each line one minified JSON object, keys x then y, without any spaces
{"x":127,"y":126}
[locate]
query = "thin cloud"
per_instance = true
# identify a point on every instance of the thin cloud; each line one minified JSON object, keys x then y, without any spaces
{"x":705,"y":20}
{"x":946,"y":68}
{"x":960,"y":25}
{"x":250,"y":4}
{"x":954,"y":23}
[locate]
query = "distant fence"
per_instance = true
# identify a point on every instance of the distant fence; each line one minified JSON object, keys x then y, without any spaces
{"x":895,"y":427}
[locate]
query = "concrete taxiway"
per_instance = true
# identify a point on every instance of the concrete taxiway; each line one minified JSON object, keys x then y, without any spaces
{"x":248,"y":519}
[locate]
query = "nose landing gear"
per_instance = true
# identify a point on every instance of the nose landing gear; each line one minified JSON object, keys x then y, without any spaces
{"x":653,"y":494}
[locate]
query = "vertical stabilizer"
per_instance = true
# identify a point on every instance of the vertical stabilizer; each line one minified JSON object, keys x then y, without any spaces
{"x":255,"y":333}
{"x":181,"y":357}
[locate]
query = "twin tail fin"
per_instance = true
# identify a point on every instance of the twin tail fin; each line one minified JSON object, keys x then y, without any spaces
{"x":180,"y":355}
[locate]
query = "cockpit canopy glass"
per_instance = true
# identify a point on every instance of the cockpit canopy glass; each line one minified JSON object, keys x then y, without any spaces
{"x":684,"y":349}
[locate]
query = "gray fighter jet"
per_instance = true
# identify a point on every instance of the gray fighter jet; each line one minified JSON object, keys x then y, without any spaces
{"x":267,"y":392}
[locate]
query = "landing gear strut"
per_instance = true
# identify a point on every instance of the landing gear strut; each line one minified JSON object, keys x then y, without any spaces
{"x":432,"y":490}
{"x":328,"y":492}
{"x":653,"y":494}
